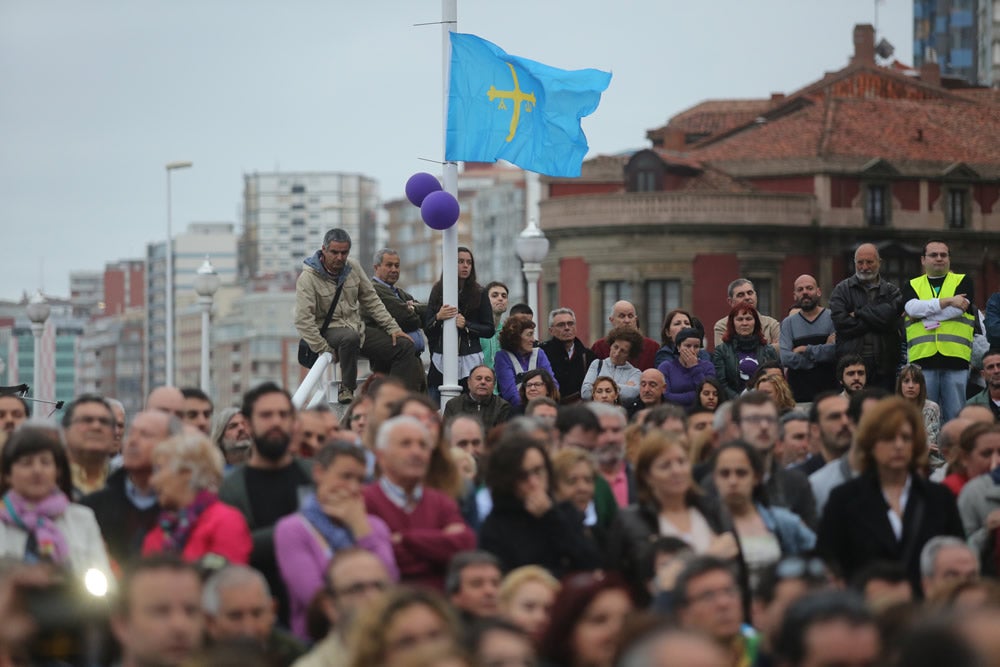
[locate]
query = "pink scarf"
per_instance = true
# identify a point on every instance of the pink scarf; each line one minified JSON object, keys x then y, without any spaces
{"x":38,"y":520}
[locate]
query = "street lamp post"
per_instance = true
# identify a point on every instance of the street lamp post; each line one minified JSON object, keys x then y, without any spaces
{"x":171,"y":166}
{"x":206,"y":283}
{"x":532,"y":247}
{"x":38,"y":313}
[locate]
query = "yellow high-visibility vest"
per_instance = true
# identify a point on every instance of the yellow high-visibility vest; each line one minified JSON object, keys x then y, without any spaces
{"x":953,"y":338}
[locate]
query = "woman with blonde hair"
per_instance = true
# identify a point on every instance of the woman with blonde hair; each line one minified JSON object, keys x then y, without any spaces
{"x":777,"y":388}
{"x":526,"y":596}
{"x":187,"y":471}
{"x":405,"y":619}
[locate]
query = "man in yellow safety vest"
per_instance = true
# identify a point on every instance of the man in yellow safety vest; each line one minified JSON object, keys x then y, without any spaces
{"x":940,"y":322}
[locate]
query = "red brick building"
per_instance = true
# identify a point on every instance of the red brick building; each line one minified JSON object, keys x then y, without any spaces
{"x":773,"y":188}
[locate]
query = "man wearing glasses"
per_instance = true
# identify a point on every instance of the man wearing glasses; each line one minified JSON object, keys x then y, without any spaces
{"x":940,"y":323}
{"x":757,"y":417}
{"x":567,"y":354}
{"x":355,"y":578}
{"x":89,"y":425}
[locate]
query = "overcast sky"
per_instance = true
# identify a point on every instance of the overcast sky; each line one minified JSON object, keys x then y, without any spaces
{"x":95,"y":97}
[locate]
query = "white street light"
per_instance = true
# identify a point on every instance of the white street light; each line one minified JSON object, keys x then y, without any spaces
{"x":206,"y":283}
{"x":38,"y":313}
{"x":182,"y":164}
{"x":532,"y":247}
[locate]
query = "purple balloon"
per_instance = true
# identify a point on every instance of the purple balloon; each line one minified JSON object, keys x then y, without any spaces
{"x":419,"y":186}
{"x":440,"y":210}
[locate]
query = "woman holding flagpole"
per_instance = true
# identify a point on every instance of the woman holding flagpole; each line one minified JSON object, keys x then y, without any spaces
{"x":473,"y":316}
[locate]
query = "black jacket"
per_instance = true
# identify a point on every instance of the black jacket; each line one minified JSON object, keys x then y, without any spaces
{"x":569,"y":372}
{"x":880,"y":320}
{"x":634,"y":531}
{"x":478,"y":324}
{"x":493,"y":411}
{"x":855,"y":528}
{"x":555,"y":540}
{"x":122,"y":524}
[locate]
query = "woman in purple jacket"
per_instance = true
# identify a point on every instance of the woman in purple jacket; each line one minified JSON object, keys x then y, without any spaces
{"x":687,"y":371}
{"x":331,"y":519}
{"x":516,"y":356}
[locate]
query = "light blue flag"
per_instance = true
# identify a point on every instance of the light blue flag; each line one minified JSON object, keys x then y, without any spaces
{"x":511,"y":108}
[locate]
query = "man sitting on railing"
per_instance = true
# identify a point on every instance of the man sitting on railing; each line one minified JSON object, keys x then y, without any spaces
{"x":347,"y":336}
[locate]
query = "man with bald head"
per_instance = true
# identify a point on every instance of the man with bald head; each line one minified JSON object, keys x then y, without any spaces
{"x":623,"y":315}
{"x":947,"y":444}
{"x":167,"y":399}
{"x":866,"y":312}
{"x":652,"y":385}
{"x":807,"y":343}
{"x":741,"y":291}
{"x":126,"y":508}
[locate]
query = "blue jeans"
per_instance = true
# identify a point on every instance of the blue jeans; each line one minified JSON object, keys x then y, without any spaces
{"x":947,"y":389}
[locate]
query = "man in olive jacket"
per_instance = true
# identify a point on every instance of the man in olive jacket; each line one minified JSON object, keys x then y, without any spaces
{"x":347,"y":336}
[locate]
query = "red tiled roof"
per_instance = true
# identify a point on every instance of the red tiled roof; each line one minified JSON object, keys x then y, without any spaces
{"x":948,"y":132}
{"x":714,"y":116}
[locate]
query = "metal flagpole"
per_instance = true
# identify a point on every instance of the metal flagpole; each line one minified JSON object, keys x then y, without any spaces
{"x":449,"y":238}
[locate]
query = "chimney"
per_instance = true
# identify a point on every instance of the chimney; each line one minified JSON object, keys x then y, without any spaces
{"x":777,"y":98}
{"x":864,"y":45}
{"x":931,"y":73}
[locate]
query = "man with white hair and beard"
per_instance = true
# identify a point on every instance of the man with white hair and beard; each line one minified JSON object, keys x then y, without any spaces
{"x":866,"y":312}
{"x":267,"y":487}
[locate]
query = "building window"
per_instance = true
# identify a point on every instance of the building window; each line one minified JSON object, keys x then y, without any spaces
{"x":646,"y":181}
{"x":956,"y":212}
{"x":765,"y":301}
{"x":298,"y":189}
{"x":662,"y":296}
{"x":612,"y":291}
{"x":551,"y":303}
{"x":877,"y":205}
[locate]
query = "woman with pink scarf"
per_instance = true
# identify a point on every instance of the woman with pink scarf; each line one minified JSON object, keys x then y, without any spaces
{"x":38,"y":523}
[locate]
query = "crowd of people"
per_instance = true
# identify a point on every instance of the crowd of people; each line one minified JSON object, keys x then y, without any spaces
{"x":823,"y":489}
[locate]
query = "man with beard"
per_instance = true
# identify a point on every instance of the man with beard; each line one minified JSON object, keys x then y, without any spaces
{"x":267,"y":487}
{"x":126,"y":508}
{"x":830,"y":428}
{"x":567,"y":354}
{"x":807,"y":343}
{"x":990,"y":397}
{"x":232,"y":436}
{"x":852,"y":373}
{"x":866,"y":310}
{"x":198,"y":409}
{"x":610,"y":452}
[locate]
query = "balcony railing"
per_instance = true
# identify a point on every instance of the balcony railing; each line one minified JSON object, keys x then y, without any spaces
{"x":678,"y":208}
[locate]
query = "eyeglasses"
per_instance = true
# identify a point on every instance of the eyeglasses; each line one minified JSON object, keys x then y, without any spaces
{"x":534,"y":385}
{"x":92,"y":419}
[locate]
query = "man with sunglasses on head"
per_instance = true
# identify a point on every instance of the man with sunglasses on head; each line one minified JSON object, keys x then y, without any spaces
{"x":940,"y":323}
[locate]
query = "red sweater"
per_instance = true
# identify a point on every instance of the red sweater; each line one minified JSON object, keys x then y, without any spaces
{"x":425,"y":549}
{"x":220,"y":529}
{"x":645,"y":360}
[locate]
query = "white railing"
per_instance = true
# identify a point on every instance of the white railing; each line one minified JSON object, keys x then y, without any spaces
{"x":306,"y":394}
